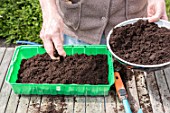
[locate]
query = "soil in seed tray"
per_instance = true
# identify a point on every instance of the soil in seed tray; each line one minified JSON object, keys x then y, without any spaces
{"x":141,"y":43}
{"x":78,"y":69}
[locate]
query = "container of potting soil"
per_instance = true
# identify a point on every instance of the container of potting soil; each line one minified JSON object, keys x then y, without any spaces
{"x":26,"y":52}
{"x":154,"y":67}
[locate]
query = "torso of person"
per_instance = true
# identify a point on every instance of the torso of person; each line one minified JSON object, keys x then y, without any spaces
{"x":88,"y":20}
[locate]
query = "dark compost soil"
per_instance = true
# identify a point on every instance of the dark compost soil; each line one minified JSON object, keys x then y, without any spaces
{"x":78,"y":69}
{"x":141,"y":43}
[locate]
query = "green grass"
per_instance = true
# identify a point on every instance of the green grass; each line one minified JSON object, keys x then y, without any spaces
{"x":168,"y":8}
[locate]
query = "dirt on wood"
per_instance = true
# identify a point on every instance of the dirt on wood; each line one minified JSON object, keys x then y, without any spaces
{"x":141,"y":43}
{"x":51,"y":107}
{"x":77,"y":69}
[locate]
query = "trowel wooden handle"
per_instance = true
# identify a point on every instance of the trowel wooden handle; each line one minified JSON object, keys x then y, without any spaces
{"x":120,"y":89}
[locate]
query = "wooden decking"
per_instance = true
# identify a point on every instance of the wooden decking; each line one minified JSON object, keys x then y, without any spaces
{"x":150,"y":91}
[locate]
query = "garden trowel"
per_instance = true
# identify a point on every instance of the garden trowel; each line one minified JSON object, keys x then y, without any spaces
{"x":122,"y":94}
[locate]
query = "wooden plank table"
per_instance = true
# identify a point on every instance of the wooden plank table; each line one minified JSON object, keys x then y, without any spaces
{"x":151,"y":92}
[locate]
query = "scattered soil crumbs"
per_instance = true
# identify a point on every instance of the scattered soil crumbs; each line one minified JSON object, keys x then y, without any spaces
{"x":53,"y":107}
{"x":78,"y":69}
{"x":143,"y":94}
{"x":141,"y":43}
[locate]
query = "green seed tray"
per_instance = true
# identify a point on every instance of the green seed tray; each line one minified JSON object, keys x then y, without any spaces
{"x":26,"y":52}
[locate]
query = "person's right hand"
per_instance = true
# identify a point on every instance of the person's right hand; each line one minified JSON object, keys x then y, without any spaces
{"x":52,"y":35}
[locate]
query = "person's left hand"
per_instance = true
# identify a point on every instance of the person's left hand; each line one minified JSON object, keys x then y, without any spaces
{"x":156,"y":10}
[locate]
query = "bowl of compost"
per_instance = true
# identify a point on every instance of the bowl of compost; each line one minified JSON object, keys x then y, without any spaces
{"x":142,"y":45}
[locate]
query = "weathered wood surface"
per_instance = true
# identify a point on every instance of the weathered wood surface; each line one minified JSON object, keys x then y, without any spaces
{"x":95,"y":104}
{"x":12,"y":103}
{"x":5,"y":89}
{"x":132,"y":93}
{"x":143,"y":94}
{"x":23,"y":104}
{"x":45,"y":103}
{"x":110,"y":103}
{"x":154,"y":94}
{"x":163,"y":89}
{"x":34,"y":105}
{"x":151,"y":92}
{"x":4,"y":64}
{"x":2,"y":50}
{"x":79,"y":104}
{"x":167,"y":76}
{"x":63,"y":103}
{"x":120,"y":108}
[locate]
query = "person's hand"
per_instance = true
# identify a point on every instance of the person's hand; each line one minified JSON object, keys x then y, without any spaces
{"x":156,"y":10}
{"x":52,"y":35}
{"x":51,"y":32}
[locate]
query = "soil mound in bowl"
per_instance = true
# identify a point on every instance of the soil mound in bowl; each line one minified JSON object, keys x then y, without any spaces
{"x":141,"y":43}
{"x":77,"y":69}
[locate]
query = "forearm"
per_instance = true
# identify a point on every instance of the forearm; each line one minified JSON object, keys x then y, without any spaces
{"x":49,"y":8}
